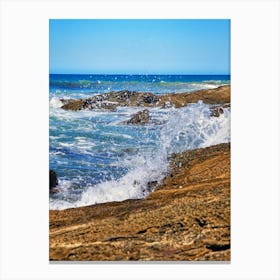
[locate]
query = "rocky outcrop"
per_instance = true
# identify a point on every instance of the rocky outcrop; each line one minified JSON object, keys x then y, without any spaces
{"x":187,"y":217}
{"x":141,"y":118}
{"x":218,"y":95}
{"x":111,"y":100}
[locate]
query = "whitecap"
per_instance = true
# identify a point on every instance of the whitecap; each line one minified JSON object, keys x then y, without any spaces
{"x":55,"y":102}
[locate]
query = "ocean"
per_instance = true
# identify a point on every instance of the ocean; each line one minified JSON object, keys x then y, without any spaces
{"x":98,"y":158}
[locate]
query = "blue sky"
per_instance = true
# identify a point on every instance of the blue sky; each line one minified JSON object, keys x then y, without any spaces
{"x":139,"y":46}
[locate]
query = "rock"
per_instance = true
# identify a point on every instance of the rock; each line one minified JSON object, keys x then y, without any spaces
{"x":141,"y":117}
{"x":53,"y":181}
{"x":186,"y":217}
{"x":151,"y":186}
{"x":216,"y":111}
{"x":150,"y":99}
{"x":73,"y":104}
{"x":111,"y":100}
{"x":167,"y":104}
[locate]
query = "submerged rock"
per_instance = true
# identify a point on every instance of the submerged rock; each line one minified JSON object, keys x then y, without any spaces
{"x":141,"y":117}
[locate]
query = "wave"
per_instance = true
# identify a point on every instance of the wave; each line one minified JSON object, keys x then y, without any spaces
{"x":185,"y":129}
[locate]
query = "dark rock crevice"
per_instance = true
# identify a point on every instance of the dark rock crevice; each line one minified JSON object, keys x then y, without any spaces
{"x":218,"y":247}
{"x":200,"y":222}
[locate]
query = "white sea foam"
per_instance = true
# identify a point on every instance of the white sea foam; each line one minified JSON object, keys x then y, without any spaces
{"x":56,"y":153}
{"x":55,"y":102}
{"x":186,"y":128}
{"x":193,"y":127}
{"x":199,"y":86}
{"x":66,"y":144}
{"x":210,"y":86}
{"x":84,"y":145}
{"x":68,"y":115}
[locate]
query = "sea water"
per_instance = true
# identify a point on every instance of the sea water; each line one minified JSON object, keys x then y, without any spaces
{"x":98,"y":158}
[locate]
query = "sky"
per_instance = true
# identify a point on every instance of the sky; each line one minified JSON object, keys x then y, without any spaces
{"x":131,"y":46}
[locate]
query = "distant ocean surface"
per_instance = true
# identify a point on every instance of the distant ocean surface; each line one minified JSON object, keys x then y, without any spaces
{"x":99,"y":159}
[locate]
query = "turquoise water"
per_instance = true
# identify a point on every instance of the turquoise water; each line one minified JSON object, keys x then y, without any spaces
{"x":97,"y":158}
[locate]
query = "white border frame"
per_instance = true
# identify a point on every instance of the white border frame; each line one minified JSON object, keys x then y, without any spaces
{"x":255,"y":138}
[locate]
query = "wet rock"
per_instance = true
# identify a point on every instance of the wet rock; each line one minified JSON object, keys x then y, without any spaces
{"x":150,"y":99}
{"x":53,"y":182}
{"x":124,"y":94}
{"x":151,"y":186}
{"x":111,"y":100}
{"x":141,"y":118}
{"x":167,"y":104}
{"x":216,"y":111}
{"x":73,"y":105}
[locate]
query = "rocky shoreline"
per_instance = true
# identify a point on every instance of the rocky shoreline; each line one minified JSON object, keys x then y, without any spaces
{"x":186,"y":218}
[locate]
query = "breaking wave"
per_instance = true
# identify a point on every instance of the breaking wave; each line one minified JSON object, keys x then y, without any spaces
{"x":141,"y":157}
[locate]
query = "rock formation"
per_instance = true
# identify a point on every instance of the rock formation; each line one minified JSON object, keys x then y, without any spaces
{"x":186,"y":218}
{"x":111,"y":100}
{"x":141,"y":118}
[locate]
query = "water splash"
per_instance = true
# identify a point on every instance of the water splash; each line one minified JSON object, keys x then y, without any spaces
{"x":181,"y":129}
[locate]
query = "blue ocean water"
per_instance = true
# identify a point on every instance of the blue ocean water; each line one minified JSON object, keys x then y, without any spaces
{"x":82,"y":85}
{"x":97,"y":158}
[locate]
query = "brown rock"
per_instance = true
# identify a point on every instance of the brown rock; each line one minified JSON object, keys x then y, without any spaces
{"x":187,"y":217}
{"x":216,"y":111}
{"x":141,"y":117}
{"x":111,"y":100}
{"x":73,"y":104}
{"x":218,"y":95}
